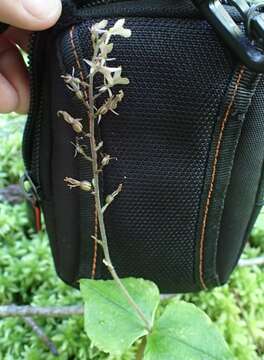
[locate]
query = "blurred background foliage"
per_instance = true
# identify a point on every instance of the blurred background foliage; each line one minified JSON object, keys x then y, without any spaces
{"x":27,"y":276}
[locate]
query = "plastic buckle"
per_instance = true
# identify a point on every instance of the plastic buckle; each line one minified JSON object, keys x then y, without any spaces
{"x":29,"y":189}
{"x":33,"y":201}
{"x":245,"y":44}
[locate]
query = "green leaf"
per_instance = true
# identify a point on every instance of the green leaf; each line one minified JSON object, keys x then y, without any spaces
{"x":110,"y":322}
{"x":185,"y":332}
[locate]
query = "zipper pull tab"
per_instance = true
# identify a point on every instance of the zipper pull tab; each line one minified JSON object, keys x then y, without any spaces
{"x":33,"y":201}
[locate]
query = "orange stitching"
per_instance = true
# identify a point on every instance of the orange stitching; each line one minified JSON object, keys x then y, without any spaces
{"x":217,"y":153}
{"x":95,"y":212}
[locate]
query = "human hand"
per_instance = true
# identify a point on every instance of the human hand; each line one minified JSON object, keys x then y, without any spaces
{"x":24,"y":16}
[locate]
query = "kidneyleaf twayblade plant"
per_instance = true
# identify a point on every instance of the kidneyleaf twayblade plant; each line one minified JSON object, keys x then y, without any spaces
{"x":120,"y":312}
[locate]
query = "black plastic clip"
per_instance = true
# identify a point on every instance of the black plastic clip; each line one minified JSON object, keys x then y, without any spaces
{"x":246,"y":44}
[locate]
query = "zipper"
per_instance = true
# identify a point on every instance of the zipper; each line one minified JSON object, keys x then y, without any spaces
{"x":31,"y":137}
{"x":30,"y":181}
{"x":29,"y":124}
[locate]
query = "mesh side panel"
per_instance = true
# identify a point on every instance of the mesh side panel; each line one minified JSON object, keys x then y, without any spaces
{"x":241,"y":197}
{"x":179,"y":74}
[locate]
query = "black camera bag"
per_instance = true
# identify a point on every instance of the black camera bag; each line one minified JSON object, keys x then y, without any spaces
{"x":189,"y":143}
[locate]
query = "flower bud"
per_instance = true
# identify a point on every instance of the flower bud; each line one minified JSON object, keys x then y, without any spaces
{"x":86,"y":186}
{"x":77,"y":126}
{"x":66,"y":116}
{"x":79,"y":95}
{"x":109,"y":199}
{"x":106,"y":160}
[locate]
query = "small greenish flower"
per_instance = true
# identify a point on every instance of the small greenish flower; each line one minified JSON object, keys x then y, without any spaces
{"x":117,"y":78}
{"x":83,"y":185}
{"x":75,"y":123}
{"x":106,"y":71}
{"x":118,"y":29}
{"x":105,"y":49}
{"x":99,"y":28}
{"x":114,"y":80}
{"x":110,"y":105}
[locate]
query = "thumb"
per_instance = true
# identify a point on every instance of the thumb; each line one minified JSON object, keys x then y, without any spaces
{"x":30,"y":14}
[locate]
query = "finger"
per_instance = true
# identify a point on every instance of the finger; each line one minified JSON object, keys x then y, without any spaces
{"x":30,"y":14}
{"x":19,"y":37}
{"x":14,"y":82}
{"x":8,"y":96}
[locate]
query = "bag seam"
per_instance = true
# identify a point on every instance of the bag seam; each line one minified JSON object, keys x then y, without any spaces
{"x":213,"y":177}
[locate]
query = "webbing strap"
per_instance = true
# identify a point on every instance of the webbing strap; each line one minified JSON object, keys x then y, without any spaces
{"x":80,"y":3}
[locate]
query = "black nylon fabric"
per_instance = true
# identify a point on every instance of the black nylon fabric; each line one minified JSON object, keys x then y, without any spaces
{"x":244,"y":193}
{"x":217,"y":180}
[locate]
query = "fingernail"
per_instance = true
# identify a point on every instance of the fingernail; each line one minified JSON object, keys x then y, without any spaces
{"x":42,"y":8}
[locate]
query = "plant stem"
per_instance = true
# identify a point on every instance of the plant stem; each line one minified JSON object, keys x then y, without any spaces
{"x":41,"y":334}
{"x":28,"y":311}
{"x":141,"y":349}
{"x":108,"y":262}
